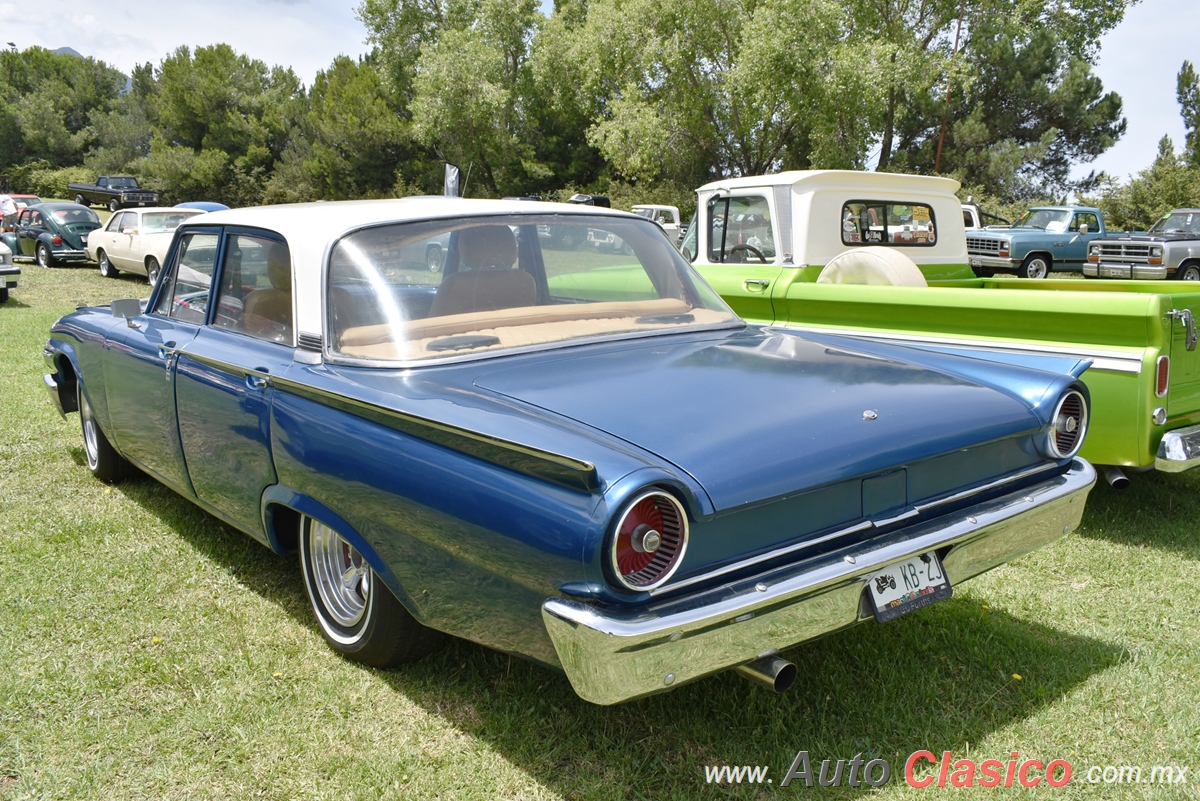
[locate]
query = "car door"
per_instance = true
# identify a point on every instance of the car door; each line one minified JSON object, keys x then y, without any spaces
{"x":736,"y":253}
{"x":223,"y":378}
{"x":1077,"y":245}
{"x":105,"y":238}
{"x":123,"y":241}
{"x":30,"y":225}
{"x":140,"y":369}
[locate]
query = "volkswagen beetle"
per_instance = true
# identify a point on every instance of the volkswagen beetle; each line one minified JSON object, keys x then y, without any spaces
{"x":582,"y":458}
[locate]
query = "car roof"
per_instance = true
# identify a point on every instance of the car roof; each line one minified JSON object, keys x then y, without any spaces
{"x":310,"y":229}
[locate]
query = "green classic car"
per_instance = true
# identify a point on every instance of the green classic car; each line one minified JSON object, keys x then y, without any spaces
{"x":52,"y":233}
{"x":885,"y":257}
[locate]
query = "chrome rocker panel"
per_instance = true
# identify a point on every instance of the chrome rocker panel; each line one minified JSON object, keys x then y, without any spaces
{"x":614,"y":657}
{"x":1179,"y":450}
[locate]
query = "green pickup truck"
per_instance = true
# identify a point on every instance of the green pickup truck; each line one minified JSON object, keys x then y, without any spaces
{"x":825,"y":250}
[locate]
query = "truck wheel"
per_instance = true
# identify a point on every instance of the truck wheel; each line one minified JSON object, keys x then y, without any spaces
{"x":81,"y":200}
{"x":114,"y":205}
{"x":1188,"y":272}
{"x":106,"y":268}
{"x":1035,"y":266}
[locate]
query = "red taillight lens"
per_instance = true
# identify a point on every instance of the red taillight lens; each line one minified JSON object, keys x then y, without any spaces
{"x":1163,"y":378}
{"x":56,"y":240}
{"x":649,"y":541}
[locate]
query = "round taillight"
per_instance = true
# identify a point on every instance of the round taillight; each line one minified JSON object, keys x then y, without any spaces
{"x":649,"y":541}
{"x":56,"y":240}
{"x":1070,"y":424}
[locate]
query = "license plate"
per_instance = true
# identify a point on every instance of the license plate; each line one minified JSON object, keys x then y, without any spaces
{"x":907,"y":586}
{"x":975,"y":262}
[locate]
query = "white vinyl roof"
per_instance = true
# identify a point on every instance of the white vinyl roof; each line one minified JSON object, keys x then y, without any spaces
{"x":808,"y":180}
{"x":310,"y":230}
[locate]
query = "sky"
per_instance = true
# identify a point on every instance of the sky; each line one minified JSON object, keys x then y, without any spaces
{"x":1139,"y":59}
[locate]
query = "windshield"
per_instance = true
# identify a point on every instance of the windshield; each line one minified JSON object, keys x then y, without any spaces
{"x":1178,"y":222}
{"x":123,"y":183}
{"x":433,"y":290}
{"x":1044,"y":219}
{"x":73,"y":218}
{"x":162,"y":222}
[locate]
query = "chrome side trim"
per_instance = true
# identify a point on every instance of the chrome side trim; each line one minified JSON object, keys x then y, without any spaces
{"x":1107,"y":360}
{"x":614,"y":656}
{"x":917,"y":509}
{"x":218,"y":364}
{"x":567,"y":471}
{"x":1179,"y":450}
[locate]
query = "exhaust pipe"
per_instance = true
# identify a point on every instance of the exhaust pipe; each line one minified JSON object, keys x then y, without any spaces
{"x":771,"y":672}
{"x":1116,"y":477}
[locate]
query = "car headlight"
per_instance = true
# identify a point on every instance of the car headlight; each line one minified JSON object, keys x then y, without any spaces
{"x":1156,"y":250}
{"x":1005,"y":247}
{"x":1068,"y":426}
{"x":648,"y":541}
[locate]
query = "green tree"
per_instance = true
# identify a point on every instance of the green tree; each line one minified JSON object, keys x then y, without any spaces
{"x":47,"y":104}
{"x":1169,"y":183}
{"x":353,"y":142}
{"x":1188,"y":92}
{"x":222,"y":122}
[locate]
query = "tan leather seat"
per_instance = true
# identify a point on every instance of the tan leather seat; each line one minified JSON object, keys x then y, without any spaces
{"x":268,"y":312}
{"x":486,"y":280}
{"x":878,"y":266}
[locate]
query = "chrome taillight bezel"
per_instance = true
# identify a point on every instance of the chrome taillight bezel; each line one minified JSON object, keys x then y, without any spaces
{"x":673,"y":546}
{"x":1062,"y":441}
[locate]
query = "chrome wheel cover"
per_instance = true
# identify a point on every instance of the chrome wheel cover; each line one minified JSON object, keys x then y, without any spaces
{"x":340,"y":573}
{"x":91,"y":444}
{"x":104,"y":264}
{"x":42,"y":256}
{"x":1037,"y":269}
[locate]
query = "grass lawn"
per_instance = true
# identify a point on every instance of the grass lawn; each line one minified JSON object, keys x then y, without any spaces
{"x":148,"y":651}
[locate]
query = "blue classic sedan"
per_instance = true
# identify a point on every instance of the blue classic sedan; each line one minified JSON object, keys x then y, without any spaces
{"x":581,"y":457}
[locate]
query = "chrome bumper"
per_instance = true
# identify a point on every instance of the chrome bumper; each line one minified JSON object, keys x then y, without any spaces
{"x":994,"y":262}
{"x":615,"y":657}
{"x":1179,"y":450}
{"x":1140,"y":272}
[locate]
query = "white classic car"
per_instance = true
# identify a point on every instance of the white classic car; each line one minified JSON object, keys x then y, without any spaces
{"x":136,"y":240}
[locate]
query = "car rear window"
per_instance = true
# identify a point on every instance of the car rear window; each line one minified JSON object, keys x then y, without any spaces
{"x":887,"y":222}
{"x":433,"y":290}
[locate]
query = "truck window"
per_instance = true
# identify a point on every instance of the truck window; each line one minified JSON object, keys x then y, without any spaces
{"x":879,"y":222}
{"x":740,"y":230}
{"x":1088,"y":219}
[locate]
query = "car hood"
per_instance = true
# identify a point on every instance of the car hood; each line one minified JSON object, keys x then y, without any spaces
{"x":764,"y":414}
{"x":1181,"y":237}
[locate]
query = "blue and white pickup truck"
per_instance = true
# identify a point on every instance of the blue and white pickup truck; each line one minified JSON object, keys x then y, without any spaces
{"x":1043,"y":240}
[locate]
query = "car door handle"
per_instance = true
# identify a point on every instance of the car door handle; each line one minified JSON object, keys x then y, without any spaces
{"x":166,"y":350}
{"x":258,"y":379}
{"x":756,"y":283}
{"x":1189,"y":324}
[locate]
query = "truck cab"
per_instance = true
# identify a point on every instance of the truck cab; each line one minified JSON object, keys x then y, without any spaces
{"x":755,"y":236}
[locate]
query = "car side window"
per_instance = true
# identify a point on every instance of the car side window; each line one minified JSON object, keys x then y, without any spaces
{"x":740,"y":230}
{"x":129,"y":222}
{"x":255,"y":295}
{"x":114,"y":224}
{"x":184,"y":295}
{"x":35,"y":219}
